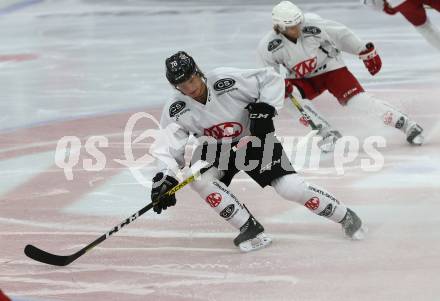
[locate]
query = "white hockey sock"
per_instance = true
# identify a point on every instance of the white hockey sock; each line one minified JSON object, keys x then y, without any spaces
{"x":369,"y":105}
{"x":293,"y":188}
{"x":431,"y":33}
{"x":220,"y":198}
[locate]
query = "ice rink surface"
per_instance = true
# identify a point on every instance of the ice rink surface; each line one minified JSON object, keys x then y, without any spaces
{"x":82,"y":68}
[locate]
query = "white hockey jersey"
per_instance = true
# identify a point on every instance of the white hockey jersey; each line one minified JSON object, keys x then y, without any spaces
{"x":318,"y":50}
{"x":222,"y":117}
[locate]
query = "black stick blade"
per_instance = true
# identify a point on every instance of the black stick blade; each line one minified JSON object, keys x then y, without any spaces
{"x":44,"y":257}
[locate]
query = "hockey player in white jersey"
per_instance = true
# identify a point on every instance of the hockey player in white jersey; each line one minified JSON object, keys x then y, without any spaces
{"x":226,"y":105}
{"x":415,"y":12}
{"x":310,"y":47}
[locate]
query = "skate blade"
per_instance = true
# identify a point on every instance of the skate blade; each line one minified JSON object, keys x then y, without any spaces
{"x":418,"y":140}
{"x":359,"y":234}
{"x":259,"y":242}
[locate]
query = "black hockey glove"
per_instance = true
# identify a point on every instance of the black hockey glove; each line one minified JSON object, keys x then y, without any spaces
{"x":162,"y":184}
{"x":261,"y":114}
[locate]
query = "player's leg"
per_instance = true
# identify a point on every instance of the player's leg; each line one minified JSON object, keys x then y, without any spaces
{"x":304,"y":92}
{"x":280,"y":174}
{"x":3,"y":297}
{"x":386,"y":113}
{"x":430,"y":32}
{"x":347,"y":89}
{"x":415,"y":13}
{"x":294,"y":188}
{"x":223,"y":201}
{"x":212,"y":186}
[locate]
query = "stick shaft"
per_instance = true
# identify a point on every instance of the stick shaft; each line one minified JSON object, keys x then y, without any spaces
{"x":303,"y":112}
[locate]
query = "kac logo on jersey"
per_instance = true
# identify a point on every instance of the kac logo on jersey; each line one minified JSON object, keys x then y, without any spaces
{"x":305,"y":67}
{"x":223,"y":84}
{"x":176,"y":107}
{"x":224,"y":130}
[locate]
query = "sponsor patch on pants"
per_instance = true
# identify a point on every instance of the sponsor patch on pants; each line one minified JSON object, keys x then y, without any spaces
{"x":313,"y":203}
{"x":214,"y":199}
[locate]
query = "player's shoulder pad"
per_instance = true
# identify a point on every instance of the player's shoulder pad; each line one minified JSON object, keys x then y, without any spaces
{"x":223,"y":78}
{"x":273,"y":41}
{"x":270,"y":42}
{"x":274,"y":44}
{"x":176,"y":107}
{"x":311,"y":30}
{"x":312,"y":25}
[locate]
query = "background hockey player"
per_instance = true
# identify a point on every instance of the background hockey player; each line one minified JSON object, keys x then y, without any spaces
{"x":229,"y":104}
{"x":3,"y":297}
{"x":310,"y":47}
{"x":415,"y":12}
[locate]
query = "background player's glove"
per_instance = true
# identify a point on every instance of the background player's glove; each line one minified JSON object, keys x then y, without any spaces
{"x":371,"y":59}
{"x":161,"y":184}
{"x":261,"y":114}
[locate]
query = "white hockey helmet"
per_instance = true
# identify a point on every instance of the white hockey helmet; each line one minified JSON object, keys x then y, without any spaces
{"x":286,"y":14}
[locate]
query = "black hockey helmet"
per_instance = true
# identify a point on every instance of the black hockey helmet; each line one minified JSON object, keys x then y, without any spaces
{"x":180,"y":67}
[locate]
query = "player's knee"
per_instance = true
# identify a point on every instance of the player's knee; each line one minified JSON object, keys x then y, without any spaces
{"x":205,"y":180}
{"x":290,"y":187}
{"x":366,"y":103}
{"x":359,"y":99}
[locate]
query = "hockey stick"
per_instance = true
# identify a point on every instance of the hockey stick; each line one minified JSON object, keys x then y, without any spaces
{"x":303,"y":113}
{"x":336,"y":135}
{"x":60,"y":260}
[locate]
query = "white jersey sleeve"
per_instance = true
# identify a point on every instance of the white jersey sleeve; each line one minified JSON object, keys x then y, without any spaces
{"x":169,"y":146}
{"x":344,"y":39}
{"x":269,"y":85}
{"x":264,"y":57}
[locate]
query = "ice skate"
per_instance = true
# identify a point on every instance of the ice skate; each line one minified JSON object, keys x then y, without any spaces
{"x":414,"y":133}
{"x":252,"y":237}
{"x":352,"y":226}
